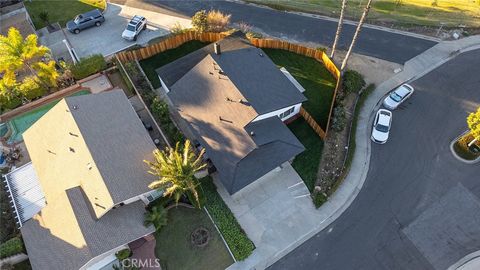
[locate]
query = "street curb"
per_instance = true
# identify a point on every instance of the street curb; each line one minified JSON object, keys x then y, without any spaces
{"x":349,"y":22}
{"x":459,"y":158}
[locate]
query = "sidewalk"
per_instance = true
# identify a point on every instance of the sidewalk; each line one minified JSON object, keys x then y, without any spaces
{"x":267,"y":250}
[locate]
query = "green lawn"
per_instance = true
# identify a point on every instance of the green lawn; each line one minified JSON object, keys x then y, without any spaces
{"x":313,"y":76}
{"x":399,"y":12}
{"x":150,"y":64}
{"x":61,"y":10}
{"x":174,"y":248}
{"x":306,"y":164}
{"x":25,"y":265}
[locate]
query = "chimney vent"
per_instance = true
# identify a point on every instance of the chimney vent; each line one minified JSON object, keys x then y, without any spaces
{"x":216,"y":48}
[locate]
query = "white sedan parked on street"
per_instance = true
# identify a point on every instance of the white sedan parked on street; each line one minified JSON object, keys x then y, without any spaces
{"x":398,"y":96}
{"x":381,"y":126}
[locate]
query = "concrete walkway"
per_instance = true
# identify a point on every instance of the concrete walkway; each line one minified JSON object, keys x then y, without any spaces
{"x":313,"y":221}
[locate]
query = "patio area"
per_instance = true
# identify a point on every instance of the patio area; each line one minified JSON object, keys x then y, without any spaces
{"x":143,"y":250}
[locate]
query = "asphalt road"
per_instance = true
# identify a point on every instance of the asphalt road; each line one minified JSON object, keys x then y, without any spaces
{"x":419,"y":207}
{"x":377,"y":43}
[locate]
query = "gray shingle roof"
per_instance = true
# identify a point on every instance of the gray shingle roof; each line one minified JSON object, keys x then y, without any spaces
{"x":117,"y":141}
{"x":117,"y":227}
{"x":251,"y":71}
{"x":220,"y":115}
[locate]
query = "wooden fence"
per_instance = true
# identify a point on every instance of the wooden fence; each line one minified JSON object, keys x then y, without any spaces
{"x":312,"y":123}
{"x":170,"y":42}
{"x":174,"y":41}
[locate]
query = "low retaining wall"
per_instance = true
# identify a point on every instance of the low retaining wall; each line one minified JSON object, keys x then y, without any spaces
{"x":12,"y":260}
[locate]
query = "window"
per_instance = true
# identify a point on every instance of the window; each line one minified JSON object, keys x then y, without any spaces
{"x":153,"y":195}
{"x":286,"y":113}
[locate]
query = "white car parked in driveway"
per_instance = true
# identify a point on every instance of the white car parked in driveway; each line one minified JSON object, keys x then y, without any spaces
{"x":134,"y":27}
{"x":398,"y":96}
{"x":381,"y":126}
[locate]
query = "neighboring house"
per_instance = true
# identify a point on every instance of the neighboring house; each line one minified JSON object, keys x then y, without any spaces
{"x":16,"y":16}
{"x":83,"y":196}
{"x":234,"y":100}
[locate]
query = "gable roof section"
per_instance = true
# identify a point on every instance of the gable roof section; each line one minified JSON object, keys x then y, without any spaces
{"x":94,"y":141}
{"x":250,"y":70}
{"x":66,"y":235}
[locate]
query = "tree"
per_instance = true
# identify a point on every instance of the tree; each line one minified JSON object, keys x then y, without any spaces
{"x":199,"y":21}
{"x":357,"y":32}
{"x":339,"y":28}
{"x":473,"y":121}
{"x":157,"y":216}
{"x":176,"y":170}
{"x":19,"y":54}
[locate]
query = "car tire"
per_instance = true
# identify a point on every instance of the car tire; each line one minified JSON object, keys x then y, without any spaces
{"x":98,"y":24}
{"x":135,"y":38}
{"x":145,"y":27}
{"x":76,"y":31}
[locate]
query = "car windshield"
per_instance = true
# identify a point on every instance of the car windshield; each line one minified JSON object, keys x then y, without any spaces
{"x":77,"y":19}
{"x":130,"y":27}
{"x":395,"y":97}
{"x":381,"y":128}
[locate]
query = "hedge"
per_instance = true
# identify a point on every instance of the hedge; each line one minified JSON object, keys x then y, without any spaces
{"x":88,"y":66}
{"x":233,"y":233}
{"x":161,"y":113}
{"x":353,"y":81}
{"x":11,"y":247}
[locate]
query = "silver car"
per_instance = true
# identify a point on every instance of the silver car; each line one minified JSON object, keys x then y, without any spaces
{"x":85,"y":20}
{"x":134,"y":27}
{"x":381,"y":126}
{"x":398,"y":96}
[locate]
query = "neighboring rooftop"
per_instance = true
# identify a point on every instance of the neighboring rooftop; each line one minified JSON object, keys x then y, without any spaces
{"x":66,"y":235}
{"x":220,"y":95}
{"x":94,"y":141}
{"x":15,"y":16}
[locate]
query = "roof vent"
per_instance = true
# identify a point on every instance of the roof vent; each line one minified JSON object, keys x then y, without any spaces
{"x":75,"y":107}
{"x":216,"y":48}
{"x":261,"y":54}
{"x":252,"y":133}
{"x":89,"y":166}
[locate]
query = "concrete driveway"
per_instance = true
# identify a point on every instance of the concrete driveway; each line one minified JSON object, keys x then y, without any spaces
{"x":107,"y":39}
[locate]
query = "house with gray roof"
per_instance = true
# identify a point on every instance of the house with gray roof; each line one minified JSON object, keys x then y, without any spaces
{"x":83,"y":196}
{"x":235,"y":101}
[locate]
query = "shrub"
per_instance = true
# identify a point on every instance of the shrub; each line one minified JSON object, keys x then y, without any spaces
{"x":244,"y":27}
{"x":252,"y":34}
{"x":123,"y":254}
{"x":217,"y":21}
{"x":161,"y":113}
{"x":233,"y":233}
{"x":9,"y":103}
{"x":353,"y":81}
{"x":339,"y":118}
{"x":88,"y":66}
{"x":199,"y":21}
{"x":177,"y":28}
{"x":11,"y":247}
{"x":31,"y":89}
{"x":318,"y":198}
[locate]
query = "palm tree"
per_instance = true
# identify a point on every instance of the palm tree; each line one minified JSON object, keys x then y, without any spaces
{"x":45,"y":17}
{"x":157,"y":216}
{"x":357,"y":32}
{"x":176,"y":170}
{"x":339,"y":28}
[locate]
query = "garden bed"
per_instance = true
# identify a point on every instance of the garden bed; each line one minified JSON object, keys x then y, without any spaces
{"x":174,"y":244}
{"x":149,"y":65}
{"x":306,"y":164}
{"x":319,"y":84}
{"x":461,"y":147}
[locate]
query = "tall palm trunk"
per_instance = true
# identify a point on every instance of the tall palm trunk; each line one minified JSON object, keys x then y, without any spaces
{"x":357,"y":32}
{"x":339,"y":28}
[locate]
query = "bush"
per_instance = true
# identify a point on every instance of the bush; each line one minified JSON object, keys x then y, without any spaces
{"x":88,"y":66}
{"x":11,"y":247}
{"x":233,"y":233}
{"x":339,"y":118}
{"x":177,"y":28}
{"x":252,"y":34}
{"x":353,"y":81}
{"x":123,"y":254}
{"x":199,"y":21}
{"x":318,"y":198}
{"x":161,"y":113}
{"x":8,"y":104}
{"x":31,"y":89}
{"x":217,"y":21}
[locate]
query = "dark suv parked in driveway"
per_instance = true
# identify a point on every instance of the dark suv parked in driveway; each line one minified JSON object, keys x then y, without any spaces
{"x":85,"y":20}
